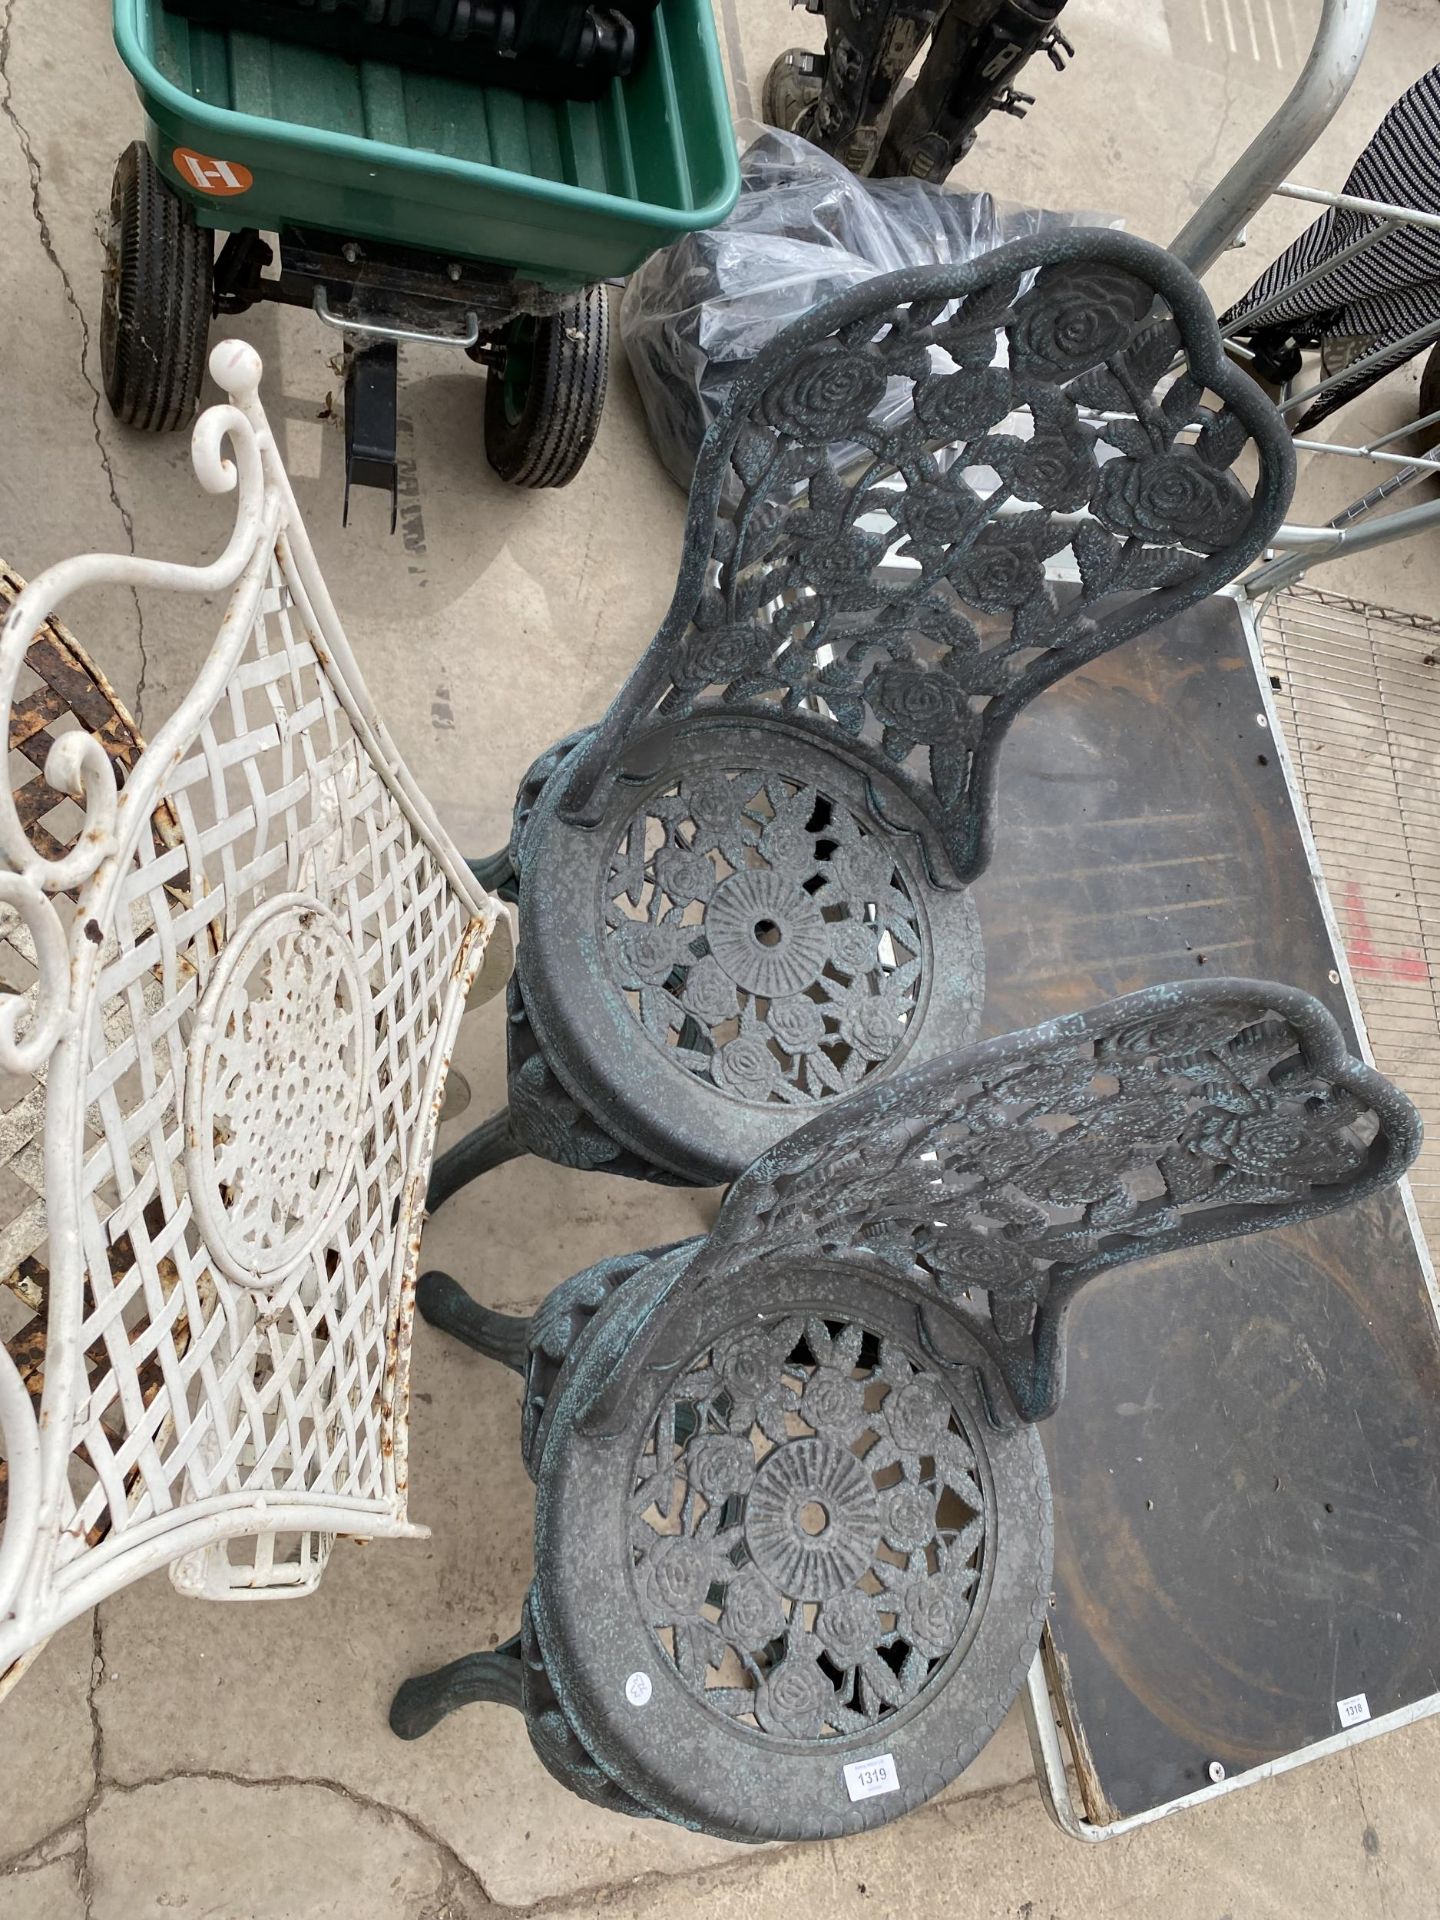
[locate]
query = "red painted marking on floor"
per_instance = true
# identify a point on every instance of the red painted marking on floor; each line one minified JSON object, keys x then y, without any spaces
{"x":1366,"y":957}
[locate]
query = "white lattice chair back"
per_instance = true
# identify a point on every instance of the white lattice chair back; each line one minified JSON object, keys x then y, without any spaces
{"x":249,"y":966}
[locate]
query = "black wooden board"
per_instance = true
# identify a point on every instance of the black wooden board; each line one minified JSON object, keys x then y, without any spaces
{"x":1247,"y":1461}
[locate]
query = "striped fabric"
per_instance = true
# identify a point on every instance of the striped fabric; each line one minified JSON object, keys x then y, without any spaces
{"x":1391,"y":289}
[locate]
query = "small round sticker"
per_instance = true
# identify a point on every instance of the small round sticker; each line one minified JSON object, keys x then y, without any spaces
{"x":221,"y":179}
{"x":637,"y":1689}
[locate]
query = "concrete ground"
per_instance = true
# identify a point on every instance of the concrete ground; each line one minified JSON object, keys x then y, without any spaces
{"x":168,"y":1758}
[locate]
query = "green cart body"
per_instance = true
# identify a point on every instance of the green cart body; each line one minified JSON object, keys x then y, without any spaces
{"x":402,"y":193}
{"x":566,"y":192}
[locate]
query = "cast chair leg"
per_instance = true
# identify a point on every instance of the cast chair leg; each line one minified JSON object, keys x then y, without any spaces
{"x":500,"y":1336}
{"x":489,"y":1145}
{"x":495,"y":872}
{"x":423,"y":1701}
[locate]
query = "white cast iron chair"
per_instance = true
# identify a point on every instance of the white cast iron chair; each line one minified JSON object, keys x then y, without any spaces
{"x":236,"y":961}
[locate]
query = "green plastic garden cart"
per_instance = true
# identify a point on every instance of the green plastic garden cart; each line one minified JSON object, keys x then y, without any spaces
{"x":405,"y":206}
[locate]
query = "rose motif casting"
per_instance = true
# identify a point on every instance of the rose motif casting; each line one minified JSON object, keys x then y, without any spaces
{"x":789,"y":846}
{"x":754,"y":1613}
{"x":908,"y":1516}
{"x":722,"y":1465}
{"x":710,"y":994}
{"x":713,"y":802}
{"x":746,"y":1067}
{"x":1275,"y":1145}
{"x":829,"y":554}
{"x":871,"y":1025}
{"x":930,"y":1613}
{"x":1100,"y":1148}
{"x":998,"y":575}
{"x":797,"y":1021}
{"x":1171,"y":499}
{"x":1056,"y":1154}
{"x":838,"y":1546}
{"x":964,"y":1258}
{"x":1000,"y":1148}
{"x":834,"y":1404}
{"x":921,"y":703}
{"x":648,"y":954}
{"x":745,"y":927}
{"x":1183,"y":1035}
{"x":966,"y":404}
{"x":684,"y":875}
{"x":1075,"y":318}
{"x":917,"y":1415}
{"x":865,"y":866}
{"x":677,"y":1576}
{"x":795,"y":1699}
{"x":935,"y":514}
{"x":827,"y":393}
{"x":1054,"y":473}
{"x":847,"y":1626}
{"x":852,"y":948}
{"x":716,"y":654}
{"x":746,"y":1367}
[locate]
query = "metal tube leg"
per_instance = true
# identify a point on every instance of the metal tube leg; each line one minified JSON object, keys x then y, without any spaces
{"x":445,"y":1304}
{"x":489,"y":1145}
{"x":1286,"y":137}
{"x":423,"y":1701}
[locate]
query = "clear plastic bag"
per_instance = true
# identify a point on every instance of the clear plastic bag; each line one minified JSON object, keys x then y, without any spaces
{"x":803,"y":229}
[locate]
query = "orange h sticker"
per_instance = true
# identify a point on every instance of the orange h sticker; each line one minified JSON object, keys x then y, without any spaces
{"x":220,"y":178}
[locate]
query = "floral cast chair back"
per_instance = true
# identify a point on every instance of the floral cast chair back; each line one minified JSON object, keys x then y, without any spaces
{"x":745,"y":891}
{"x":793,"y":1528}
{"x":1023,"y":401}
{"x":247,"y":966}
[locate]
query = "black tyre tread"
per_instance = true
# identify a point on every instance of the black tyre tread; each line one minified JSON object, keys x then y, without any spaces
{"x":769,"y":104}
{"x":548,"y":446}
{"x":158,"y":294}
{"x":781,"y":81}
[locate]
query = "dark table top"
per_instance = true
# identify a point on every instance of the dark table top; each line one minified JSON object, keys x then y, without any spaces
{"x":1247,"y":1461}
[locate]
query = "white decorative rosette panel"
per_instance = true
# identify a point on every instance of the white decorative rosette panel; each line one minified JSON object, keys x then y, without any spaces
{"x":249,"y":964}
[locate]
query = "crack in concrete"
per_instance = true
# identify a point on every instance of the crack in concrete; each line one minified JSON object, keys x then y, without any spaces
{"x":458,"y":1871}
{"x":39,"y":1853}
{"x":457,"y":1874}
{"x":23,"y":1864}
{"x":30,"y":1859}
{"x":596,"y":1897}
{"x":83,"y":1870}
{"x":47,"y":243}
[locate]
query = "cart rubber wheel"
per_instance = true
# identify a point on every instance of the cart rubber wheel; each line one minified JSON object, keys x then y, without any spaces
{"x":790,"y":91}
{"x":543,"y":401}
{"x":155,"y":309}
